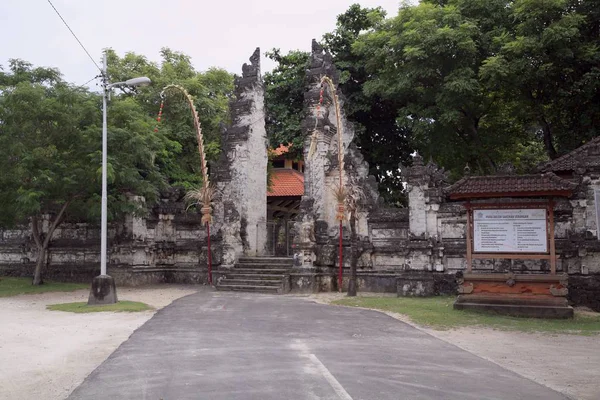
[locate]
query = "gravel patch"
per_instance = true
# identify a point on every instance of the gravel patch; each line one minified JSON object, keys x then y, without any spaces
{"x":47,"y":354}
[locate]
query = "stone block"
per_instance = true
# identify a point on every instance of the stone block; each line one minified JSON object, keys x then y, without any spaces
{"x":415,"y":284}
{"x":103,"y":291}
{"x":585,"y":291}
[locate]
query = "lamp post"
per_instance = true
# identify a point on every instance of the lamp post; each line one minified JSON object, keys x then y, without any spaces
{"x":103,"y":286}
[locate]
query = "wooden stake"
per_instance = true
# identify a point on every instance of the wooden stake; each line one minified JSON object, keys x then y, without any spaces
{"x":469,"y":245}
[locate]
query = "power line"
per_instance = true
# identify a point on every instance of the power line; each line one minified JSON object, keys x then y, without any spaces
{"x":75,"y":36}
{"x":96,"y":77}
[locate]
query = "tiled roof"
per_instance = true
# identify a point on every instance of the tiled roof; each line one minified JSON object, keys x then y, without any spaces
{"x":584,"y":156}
{"x":286,"y":182}
{"x":511,"y":185}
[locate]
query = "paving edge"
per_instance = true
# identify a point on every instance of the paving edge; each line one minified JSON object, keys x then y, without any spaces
{"x":431,"y":332}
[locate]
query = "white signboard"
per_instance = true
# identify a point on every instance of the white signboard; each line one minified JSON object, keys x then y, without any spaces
{"x":510,"y":231}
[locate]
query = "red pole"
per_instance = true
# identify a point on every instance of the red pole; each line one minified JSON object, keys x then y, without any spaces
{"x":341,"y":260}
{"x":209,"y":255}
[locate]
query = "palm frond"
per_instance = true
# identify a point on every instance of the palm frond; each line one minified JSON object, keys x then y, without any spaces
{"x":340,"y":193}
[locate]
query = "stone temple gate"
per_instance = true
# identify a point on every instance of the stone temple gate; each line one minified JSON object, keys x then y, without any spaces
{"x":418,"y":250}
{"x":242,"y":170}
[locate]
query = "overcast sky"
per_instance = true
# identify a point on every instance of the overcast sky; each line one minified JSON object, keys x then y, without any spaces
{"x":221,"y":33}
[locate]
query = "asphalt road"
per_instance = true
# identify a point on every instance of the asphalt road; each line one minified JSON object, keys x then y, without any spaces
{"x":220,"y":345}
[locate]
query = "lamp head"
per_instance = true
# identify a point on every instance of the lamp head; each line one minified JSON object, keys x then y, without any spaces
{"x":137,"y":82}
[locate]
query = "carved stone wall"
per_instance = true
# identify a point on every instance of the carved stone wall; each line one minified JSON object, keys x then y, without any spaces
{"x":242,"y":170}
{"x":168,"y":245}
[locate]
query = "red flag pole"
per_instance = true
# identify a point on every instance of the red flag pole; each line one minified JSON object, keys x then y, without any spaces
{"x":209,"y":254}
{"x":341,"y":260}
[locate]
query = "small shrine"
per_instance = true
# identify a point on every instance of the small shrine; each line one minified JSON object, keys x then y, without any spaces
{"x":511,"y":217}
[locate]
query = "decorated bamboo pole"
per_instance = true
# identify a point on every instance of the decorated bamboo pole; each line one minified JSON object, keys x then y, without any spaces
{"x":204,"y":195}
{"x":340,"y":191}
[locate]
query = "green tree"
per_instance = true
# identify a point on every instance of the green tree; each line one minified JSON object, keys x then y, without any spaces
{"x":50,"y":154}
{"x":427,"y":59}
{"x":548,"y":69}
{"x":284,"y":99}
{"x":383,"y":142}
{"x":211,"y":91}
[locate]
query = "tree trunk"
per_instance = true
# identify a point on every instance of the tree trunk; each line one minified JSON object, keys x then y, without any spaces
{"x":42,"y":242}
{"x":41,"y":260}
{"x":353,"y":256}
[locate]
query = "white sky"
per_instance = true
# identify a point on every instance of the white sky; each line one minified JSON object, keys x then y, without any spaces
{"x":221,"y":33}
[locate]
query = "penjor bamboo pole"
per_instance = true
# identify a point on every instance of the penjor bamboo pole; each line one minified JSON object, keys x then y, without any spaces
{"x":206,"y":192}
{"x":341,"y":206}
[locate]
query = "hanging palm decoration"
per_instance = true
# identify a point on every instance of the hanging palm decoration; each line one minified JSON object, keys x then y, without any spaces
{"x":340,"y":191}
{"x":204,"y":195}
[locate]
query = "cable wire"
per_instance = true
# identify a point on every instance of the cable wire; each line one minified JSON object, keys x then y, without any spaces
{"x":96,"y":77}
{"x":75,"y":36}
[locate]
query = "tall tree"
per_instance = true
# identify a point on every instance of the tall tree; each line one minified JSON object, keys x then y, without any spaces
{"x":211,"y":91}
{"x":548,"y":67}
{"x":427,"y":59}
{"x":50,"y":153}
{"x":384,"y":142}
{"x":284,"y":99}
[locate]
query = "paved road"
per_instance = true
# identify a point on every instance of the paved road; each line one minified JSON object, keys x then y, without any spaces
{"x":218,"y":345}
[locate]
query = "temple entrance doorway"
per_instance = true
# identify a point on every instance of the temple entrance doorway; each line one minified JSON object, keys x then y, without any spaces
{"x":284,"y":193}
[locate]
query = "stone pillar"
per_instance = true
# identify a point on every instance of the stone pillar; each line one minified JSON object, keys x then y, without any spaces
{"x":242,"y":170}
{"x":317,"y":232}
{"x":417,"y":185}
{"x":425,"y":195}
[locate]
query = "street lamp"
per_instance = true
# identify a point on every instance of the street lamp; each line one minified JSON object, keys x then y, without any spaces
{"x":103,"y":286}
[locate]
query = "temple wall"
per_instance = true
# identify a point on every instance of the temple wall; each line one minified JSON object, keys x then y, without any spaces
{"x":417,"y":250}
{"x":169,"y":245}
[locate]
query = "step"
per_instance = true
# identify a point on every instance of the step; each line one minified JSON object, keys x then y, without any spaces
{"x":267,"y":266}
{"x":249,"y":288}
{"x":513,"y":299}
{"x":255,"y":271}
{"x":267,"y":260}
{"x":519,"y":310}
{"x":270,"y":277}
{"x":249,"y":282}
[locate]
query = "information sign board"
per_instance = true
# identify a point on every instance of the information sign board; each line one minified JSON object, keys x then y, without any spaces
{"x":510,"y":231}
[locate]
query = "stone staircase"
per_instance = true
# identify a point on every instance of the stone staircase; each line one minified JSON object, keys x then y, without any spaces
{"x":256,"y":274}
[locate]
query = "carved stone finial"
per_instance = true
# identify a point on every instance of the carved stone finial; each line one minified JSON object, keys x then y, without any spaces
{"x":253,"y":69}
{"x":467,"y":170}
{"x":255,"y":57}
{"x":417,"y":160}
{"x":316,"y":47}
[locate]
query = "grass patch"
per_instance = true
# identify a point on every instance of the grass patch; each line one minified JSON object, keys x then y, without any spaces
{"x":82,"y":307}
{"x":437,"y":313}
{"x":10,"y":286}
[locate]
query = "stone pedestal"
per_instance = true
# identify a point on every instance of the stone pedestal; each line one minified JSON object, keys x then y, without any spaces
{"x":104,"y":291}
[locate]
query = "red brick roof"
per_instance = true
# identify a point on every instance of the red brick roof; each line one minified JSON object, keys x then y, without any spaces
{"x":286,"y":182}
{"x":511,"y":185}
{"x":586,"y":155}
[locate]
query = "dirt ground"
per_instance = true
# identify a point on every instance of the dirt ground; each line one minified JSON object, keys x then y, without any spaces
{"x":47,"y":354}
{"x":569,"y":364}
